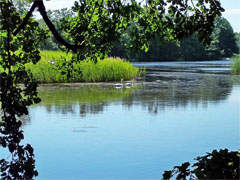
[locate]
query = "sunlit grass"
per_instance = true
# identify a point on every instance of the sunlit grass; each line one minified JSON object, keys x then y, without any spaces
{"x":43,"y":71}
{"x":236,"y":64}
{"x":109,"y":69}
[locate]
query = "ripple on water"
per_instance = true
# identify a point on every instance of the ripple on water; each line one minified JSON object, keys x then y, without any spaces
{"x":87,"y":131}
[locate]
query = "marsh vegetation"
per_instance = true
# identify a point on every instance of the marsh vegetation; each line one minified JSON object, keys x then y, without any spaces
{"x":51,"y":69}
{"x":126,"y":132}
{"x":236,"y":64}
{"x":131,"y":132}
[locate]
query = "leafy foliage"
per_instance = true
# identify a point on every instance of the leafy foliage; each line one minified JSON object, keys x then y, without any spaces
{"x":21,"y":5}
{"x":97,"y":24}
{"x":55,"y":16}
{"x":223,"y":44}
{"x":220,"y":164}
{"x":226,"y":37}
{"x":15,"y":52}
{"x":237,"y":36}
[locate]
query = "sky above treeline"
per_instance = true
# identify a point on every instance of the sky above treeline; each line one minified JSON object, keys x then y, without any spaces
{"x":232,"y":9}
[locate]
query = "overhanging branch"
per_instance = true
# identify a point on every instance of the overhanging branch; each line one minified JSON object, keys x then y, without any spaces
{"x":29,"y":13}
{"x":42,"y":10}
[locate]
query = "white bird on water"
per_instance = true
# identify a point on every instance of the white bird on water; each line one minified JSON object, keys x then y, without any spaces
{"x":121,"y":85}
{"x":128,"y":85}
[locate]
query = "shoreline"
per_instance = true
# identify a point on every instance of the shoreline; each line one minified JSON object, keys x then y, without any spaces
{"x":79,"y":84}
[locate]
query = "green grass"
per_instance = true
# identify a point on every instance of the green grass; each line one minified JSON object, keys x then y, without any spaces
{"x":45,"y":72}
{"x":236,"y":64}
{"x":109,"y":69}
{"x":54,"y":55}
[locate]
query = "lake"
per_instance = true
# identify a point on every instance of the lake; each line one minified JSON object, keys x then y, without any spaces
{"x":177,"y":112}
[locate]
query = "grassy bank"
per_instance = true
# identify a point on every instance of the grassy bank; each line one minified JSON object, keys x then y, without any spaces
{"x":236,"y":64}
{"x":109,"y":69}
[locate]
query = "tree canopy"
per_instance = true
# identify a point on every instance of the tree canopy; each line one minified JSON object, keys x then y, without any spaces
{"x":98,"y":23}
{"x":223,"y":44}
{"x":90,"y":34}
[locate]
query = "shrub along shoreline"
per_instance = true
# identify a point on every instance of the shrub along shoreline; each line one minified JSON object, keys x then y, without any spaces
{"x":236,"y":64}
{"x":108,"y":69}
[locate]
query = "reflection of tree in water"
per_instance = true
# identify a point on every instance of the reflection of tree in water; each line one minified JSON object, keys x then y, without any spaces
{"x":84,"y":109}
{"x":61,"y":109}
{"x":165,"y":92}
{"x":179,"y":92}
{"x":92,"y":108}
{"x":84,"y":99}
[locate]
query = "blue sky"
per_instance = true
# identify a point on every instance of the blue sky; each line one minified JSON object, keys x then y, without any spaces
{"x":232,"y":10}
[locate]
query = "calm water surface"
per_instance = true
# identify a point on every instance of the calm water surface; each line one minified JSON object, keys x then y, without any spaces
{"x":177,"y":112}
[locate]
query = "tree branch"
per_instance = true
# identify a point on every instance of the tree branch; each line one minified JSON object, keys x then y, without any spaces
{"x":42,"y":10}
{"x":25,"y":19}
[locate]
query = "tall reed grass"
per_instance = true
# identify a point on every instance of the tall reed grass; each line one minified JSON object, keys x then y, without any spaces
{"x":236,"y":64}
{"x":109,"y":69}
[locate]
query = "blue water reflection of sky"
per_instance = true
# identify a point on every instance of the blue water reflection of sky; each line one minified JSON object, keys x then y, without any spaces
{"x":123,"y":143}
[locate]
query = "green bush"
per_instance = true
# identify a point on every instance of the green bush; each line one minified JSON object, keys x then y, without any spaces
{"x":222,"y":164}
{"x":236,"y":64}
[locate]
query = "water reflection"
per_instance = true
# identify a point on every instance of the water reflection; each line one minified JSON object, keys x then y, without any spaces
{"x":158,"y":92}
{"x":167,"y":118}
{"x":84,"y":109}
{"x":211,"y":67}
{"x":85,"y":99}
{"x":178,"y":91}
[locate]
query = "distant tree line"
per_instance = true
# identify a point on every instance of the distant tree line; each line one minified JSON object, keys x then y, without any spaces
{"x":237,"y":36}
{"x":224,"y":43}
